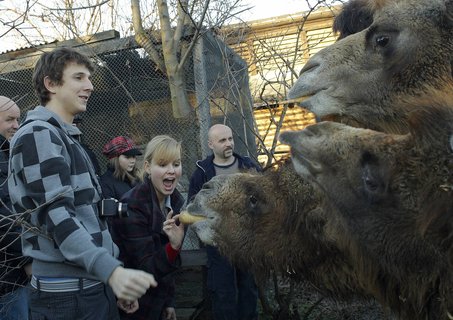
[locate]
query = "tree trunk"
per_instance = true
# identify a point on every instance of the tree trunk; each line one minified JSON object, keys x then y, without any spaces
{"x":201,"y":88}
{"x":170,"y":64}
{"x":175,"y":69}
{"x":179,"y":98}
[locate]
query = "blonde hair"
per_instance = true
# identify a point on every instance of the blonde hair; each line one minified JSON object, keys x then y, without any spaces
{"x":162,"y":149}
{"x":121,"y":174}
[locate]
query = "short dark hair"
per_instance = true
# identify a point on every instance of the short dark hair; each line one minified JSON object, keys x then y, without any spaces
{"x":52,"y":64}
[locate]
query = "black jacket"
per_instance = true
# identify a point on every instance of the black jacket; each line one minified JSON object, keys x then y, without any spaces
{"x":12,"y":273}
{"x":113,"y":187}
{"x":206,"y":170}
{"x":142,"y":245}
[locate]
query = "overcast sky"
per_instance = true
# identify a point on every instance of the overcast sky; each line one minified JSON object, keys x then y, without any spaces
{"x":271,"y":8}
{"x":261,"y":9}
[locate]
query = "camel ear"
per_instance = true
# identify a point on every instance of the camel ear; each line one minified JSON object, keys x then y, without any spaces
{"x":355,"y":16}
{"x":449,"y":23}
{"x":449,"y":13}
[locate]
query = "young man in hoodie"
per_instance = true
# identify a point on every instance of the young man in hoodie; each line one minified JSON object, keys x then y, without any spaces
{"x":75,"y":271}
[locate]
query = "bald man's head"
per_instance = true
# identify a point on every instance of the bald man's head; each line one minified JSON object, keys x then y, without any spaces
{"x":9,"y":117}
{"x":217,"y":129}
{"x":220,"y":141}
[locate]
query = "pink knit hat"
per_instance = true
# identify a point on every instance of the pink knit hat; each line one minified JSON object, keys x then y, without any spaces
{"x":120,"y":145}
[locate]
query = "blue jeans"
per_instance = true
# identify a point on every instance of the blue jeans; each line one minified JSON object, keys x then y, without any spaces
{"x":95,"y":303}
{"x":233,"y":292}
{"x":14,"y":305}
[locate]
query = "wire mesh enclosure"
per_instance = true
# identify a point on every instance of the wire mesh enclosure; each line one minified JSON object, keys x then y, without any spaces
{"x":132,"y":97}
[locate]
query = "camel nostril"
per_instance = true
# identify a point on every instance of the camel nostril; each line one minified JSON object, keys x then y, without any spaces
{"x":311,"y":130}
{"x":285,"y":137}
{"x":208,"y":185}
{"x":309,"y":66}
{"x":308,"y":133}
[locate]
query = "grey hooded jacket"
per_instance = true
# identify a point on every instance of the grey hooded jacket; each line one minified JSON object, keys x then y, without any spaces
{"x":52,"y":177}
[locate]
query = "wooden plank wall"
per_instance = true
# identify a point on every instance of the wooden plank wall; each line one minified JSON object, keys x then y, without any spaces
{"x":275,"y":50}
{"x":296,"y":118}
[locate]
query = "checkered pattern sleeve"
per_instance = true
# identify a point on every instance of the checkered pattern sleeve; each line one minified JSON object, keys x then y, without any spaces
{"x":50,"y":176}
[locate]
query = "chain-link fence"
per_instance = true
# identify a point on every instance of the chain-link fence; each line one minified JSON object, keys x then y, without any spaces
{"x":132,"y":96}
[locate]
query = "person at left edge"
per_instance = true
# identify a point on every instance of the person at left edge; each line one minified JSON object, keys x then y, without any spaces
{"x":14,"y":268}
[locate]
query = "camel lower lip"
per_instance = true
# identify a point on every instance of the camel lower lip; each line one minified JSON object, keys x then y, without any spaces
{"x":296,"y":100}
{"x":341,"y":119}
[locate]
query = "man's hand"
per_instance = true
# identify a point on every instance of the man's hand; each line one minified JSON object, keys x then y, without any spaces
{"x":130,"y":284}
{"x":127,"y":306}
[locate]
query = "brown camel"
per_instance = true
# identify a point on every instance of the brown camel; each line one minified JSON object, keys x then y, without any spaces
{"x":394,"y":193}
{"x":379,"y":221}
{"x":397,"y":48}
{"x":403,"y":50}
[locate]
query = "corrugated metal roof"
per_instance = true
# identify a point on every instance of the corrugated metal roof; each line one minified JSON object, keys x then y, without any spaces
{"x":30,"y":47}
{"x":80,"y":41}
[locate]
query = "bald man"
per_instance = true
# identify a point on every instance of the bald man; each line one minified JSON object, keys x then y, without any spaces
{"x":13,"y":267}
{"x":233,"y":291}
{"x":9,"y":117}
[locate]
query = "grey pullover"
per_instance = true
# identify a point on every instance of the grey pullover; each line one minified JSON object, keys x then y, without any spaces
{"x":51,"y":175}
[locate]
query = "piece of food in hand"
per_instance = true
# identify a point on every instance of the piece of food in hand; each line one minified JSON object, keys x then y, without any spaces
{"x":187,"y":218}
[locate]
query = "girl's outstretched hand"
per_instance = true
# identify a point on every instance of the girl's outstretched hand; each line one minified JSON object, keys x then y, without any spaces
{"x":174,"y":232}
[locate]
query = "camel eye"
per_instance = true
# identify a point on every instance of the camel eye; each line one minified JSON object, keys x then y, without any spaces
{"x":370,"y":177}
{"x":382,"y":41}
{"x":372,"y":174}
{"x":370,"y":184}
{"x":253,"y":201}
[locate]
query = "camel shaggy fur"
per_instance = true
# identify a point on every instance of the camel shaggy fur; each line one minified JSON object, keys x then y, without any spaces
{"x":394,"y":193}
{"x":283,"y":231}
{"x":392,"y":61}
{"x":377,"y":222}
{"x":389,"y":49}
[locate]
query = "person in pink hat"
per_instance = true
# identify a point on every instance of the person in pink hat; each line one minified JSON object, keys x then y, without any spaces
{"x":122,"y":173}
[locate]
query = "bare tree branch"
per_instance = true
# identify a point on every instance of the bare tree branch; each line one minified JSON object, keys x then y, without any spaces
{"x":79,"y":8}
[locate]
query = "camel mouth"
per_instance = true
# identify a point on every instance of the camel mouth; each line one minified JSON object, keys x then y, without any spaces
{"x":340,"y":119}
{"x":304,"y":102}
{"x":298,"y":100}
{"x":299,"y":155}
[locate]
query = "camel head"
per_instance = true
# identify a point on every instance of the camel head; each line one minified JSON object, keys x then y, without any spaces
{"x":393,"y":191}
{"x":242,"y":210}
{"x":366,"y":168}
{"x":387,"y":49}
{"x":380,"y":167}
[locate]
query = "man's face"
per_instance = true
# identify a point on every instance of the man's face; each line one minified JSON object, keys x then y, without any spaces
{"x":222,"y":143}
{"x":75,"y":89}
{"x":9,"y":118}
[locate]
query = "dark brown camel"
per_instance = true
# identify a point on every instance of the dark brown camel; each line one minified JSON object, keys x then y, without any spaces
{"x":394,"y":193}
{"x":399,"y":48}
{"x":402,"y":50}
{"x":379,"y":221}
